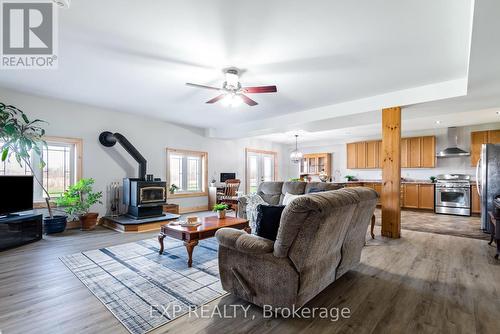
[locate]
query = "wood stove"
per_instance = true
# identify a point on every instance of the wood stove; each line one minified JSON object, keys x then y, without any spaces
{"x":144,"y":196}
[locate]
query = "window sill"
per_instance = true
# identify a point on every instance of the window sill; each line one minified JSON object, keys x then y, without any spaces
{"x":184,"y":195}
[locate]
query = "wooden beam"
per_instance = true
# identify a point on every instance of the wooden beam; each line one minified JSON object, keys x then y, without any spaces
{"x":391,"y":172}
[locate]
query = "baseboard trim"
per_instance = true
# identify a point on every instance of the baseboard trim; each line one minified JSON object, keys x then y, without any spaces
{"x":193,"y":209}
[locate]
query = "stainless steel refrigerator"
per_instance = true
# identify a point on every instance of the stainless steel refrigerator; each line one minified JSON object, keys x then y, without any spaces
{"x":488,"y":180}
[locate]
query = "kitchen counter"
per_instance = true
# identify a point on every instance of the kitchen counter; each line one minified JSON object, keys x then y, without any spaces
{"x":380,"y":181}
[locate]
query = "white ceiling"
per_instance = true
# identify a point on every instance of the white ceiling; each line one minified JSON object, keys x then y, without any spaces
{"x":328,"y":58}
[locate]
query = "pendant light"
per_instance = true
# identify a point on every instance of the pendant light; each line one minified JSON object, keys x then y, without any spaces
{"x":296,"y":155}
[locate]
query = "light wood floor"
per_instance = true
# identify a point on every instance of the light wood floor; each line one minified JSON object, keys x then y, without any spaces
{"x":421,"y":283}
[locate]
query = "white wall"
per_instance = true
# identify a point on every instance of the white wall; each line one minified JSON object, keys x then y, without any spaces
{"x":151,"y":137}
{"x":460,"y":165}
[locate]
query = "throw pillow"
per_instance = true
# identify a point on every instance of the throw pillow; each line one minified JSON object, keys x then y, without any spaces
{"x":268,"y":220}
{"x":289,"y":197}
{"x":253,"y":201}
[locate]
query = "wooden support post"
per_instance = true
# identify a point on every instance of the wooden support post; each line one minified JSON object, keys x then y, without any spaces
{"x":391,"y":172}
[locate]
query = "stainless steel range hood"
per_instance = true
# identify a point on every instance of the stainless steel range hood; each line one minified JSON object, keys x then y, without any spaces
{"x":452,"y":150}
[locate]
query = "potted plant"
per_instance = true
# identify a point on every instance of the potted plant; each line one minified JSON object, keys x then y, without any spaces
{"x":433,"y":179}
{"x":221,"y":210}
{"x":173,"y":188}
{"x":350,"y":178}
{"x":21,"y":137}
{"x":78,"y":200}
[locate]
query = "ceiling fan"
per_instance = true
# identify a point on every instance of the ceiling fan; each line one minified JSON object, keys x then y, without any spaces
{"x":232,"y":93}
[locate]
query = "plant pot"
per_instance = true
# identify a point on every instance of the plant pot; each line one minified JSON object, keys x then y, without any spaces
{"x":221,"y":214}
{"x":88,"y":221}
{"x":56,"y":224}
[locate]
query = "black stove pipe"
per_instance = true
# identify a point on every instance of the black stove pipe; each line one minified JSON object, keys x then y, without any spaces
{"x":109,"y":139}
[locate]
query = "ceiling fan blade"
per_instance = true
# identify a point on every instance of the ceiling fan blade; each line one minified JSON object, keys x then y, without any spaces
{"x":202,"y":86}
{"x":217,"y":98}
{"x":261,"y":89}
{"x":248,"y":100}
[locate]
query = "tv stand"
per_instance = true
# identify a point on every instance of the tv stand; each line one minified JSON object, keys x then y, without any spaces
{"x":16,"y":230}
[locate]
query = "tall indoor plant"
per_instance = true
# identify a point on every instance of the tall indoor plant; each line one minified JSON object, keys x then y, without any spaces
{"x":78,"y":200}
{"x":21,"y":136}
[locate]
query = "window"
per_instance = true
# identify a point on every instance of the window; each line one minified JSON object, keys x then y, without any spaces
{"x":261,"y":167}
{"x":63,"y":166}
{"x":188,"y":171}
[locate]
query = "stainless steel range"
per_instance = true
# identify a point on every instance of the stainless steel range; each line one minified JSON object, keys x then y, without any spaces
{"x":453,"y":194}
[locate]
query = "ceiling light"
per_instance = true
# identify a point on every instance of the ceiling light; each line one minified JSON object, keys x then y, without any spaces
{"x":231,"y":100}
{"x":232,"y":79}
{"x":438,"y":122}
{"x":296,"y":155}
{"x":498,"y":113}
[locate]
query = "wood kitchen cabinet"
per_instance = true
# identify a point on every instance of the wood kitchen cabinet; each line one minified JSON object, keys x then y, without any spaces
{"x":314,"y":163}
{"x":475,"y":200}
{"x":372,"y":154}
{"x":416,"y":152}
{"x":410,"y":196}
{"x":361,"y":155}
{"x":426,"y":196}
{"x":477,"y":139}
{"x":351,"y":156}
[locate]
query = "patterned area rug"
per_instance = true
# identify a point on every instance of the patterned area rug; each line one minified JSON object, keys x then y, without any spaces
{"x":145,"y":290}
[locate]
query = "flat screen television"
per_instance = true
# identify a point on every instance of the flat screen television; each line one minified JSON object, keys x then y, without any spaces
{"x":16,"y":194}
{"x":227,"y":176}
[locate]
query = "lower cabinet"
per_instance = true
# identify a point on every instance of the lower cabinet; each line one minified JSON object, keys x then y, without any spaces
{"x":418,"y":196}
{"x":475,"y":200}
{"x":410,"y":196}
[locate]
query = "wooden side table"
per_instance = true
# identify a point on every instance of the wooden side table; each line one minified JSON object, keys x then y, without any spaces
{"x":493,"y":237}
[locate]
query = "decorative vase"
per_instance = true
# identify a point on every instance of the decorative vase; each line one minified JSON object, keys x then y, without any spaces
{"x":88,"y":221}
{"x":221,"y":214}
{"x":56,"y":224}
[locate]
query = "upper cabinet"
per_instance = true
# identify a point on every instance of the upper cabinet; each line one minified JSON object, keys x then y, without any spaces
{"x":314,"y":163}
{"x":477,"y":139}
{"x":416,"y":152}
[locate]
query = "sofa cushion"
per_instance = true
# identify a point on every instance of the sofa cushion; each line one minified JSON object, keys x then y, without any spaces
{"x":268,"y":220}
{"x":288,"y":198}
{"x":270,"y":192}
{"x":292,"y":187}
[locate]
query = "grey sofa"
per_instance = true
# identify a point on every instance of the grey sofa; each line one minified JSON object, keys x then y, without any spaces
{"x":319,"y":239}
{"x":273,"y":192}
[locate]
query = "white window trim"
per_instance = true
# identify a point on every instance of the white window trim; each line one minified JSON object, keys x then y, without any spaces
{"x":203,"y":174}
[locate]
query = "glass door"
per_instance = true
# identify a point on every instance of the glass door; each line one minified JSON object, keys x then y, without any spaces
{"x":260,"y":168}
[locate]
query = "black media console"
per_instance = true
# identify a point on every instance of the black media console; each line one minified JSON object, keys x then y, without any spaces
{"x":20,"y":230}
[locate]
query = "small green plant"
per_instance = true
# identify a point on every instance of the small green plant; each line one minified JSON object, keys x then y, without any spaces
{"x":173,"y":188}
{"x":79,"y":197}
{"x":295,"y":179}
{"x":350,"y":178}
{"x":432,"y":178}
{"x":220,"y":207}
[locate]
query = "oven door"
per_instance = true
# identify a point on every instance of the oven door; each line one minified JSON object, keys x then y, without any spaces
{"x":453,"y":197}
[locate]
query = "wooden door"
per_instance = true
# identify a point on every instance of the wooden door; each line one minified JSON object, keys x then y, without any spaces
{"x":404,"y":153}
{"x":372,"y":155}
{"x":361,"y":154}
{"x":477,"y":139}
{"x":494,"y":137}
{"x":426,"y":196}
{"x":411,"y":196}
{"x":351,"y":156}
{"x":428,"y":155}
{"x":380,"y":155}
{"x":476,"y":200}
{"x":415,"y":153}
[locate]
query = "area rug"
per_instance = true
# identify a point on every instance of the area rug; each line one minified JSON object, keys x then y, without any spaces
{"x":145,"y":290}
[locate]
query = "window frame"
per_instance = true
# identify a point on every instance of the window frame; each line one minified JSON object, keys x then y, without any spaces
{"x":204,"y":173}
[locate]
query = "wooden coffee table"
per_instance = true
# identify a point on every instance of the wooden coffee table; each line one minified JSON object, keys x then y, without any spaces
{"x":207,"y":229}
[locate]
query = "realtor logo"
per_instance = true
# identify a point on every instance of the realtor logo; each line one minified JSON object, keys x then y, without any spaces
{"x":29,"y":34}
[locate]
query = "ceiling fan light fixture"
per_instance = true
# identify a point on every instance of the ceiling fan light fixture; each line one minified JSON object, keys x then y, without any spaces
{"x":232,"y":79}
{"x":231,"y":100}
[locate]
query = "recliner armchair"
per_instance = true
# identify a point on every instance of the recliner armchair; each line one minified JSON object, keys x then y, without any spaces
{"x":320,"y":238}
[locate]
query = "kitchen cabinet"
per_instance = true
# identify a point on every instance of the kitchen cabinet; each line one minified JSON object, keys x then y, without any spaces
{"x":372,"y":154}
{"x":410,"y":196}
{"x":426,"y":196}
{"x":477,"y":139}
{"x":416,"y":152}
{"x":428,"y":152}
{"x":361,"y":155}
{"x":475,"y":200}
{"x":404,"y":153}
{"x":314,"y":163}
{"x":351,"y":156}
